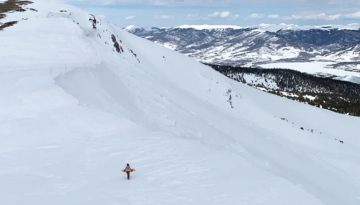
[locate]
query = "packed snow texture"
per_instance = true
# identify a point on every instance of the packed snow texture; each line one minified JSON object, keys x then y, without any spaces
{"x":73,"y":112}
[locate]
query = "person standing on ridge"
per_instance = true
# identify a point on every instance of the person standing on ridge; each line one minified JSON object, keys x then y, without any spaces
{"x":128,"y":170}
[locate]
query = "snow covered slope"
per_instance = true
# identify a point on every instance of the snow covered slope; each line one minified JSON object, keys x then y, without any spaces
{"x":80,"y":98}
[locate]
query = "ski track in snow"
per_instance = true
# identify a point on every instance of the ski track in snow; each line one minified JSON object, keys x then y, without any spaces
{"x":73,"y":113}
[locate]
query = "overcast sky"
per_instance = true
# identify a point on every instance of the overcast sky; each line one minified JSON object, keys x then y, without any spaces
{"x":165,"y":13}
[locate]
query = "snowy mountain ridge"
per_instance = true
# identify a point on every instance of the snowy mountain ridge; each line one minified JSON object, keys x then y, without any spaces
{"x":81,"y":97}
{"x":208,"y":27}
{"x":263,"y":27}
{"x":263,"y":44}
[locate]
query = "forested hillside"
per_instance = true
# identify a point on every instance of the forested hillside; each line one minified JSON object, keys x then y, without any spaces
{"x":338,"y":96}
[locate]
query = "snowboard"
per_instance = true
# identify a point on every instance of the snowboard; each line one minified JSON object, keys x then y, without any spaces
{"x":131,"y":170}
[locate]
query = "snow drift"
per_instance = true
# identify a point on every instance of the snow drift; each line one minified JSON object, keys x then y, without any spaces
{"x":80,"y":98}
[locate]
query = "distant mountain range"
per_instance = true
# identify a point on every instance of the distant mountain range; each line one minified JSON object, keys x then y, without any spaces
{"x":234,"y":45}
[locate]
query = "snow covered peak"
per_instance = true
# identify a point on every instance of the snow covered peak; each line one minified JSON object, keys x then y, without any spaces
{"x":277,"y":27}
{"x":261,"y":27}
{"x":132,"y":28}
{"x":209,"y":27}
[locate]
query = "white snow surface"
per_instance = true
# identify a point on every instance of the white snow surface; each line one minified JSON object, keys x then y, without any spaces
{"x":73,"y":112}
{"x":134,"y":27}
{"x":320,"y":68}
